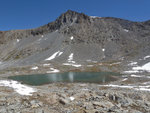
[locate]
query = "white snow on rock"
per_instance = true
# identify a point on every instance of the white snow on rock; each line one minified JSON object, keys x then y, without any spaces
{"x":94,"y":61}
{"x":146,"y":57}
{"x":95,"y":17}
{"x":56,"y":54}
{"x":132,"y":63}
{"x":89,"y":60}
{"x":125,"y":79}
{"x":90,"y":65}
{"x":53,"y":70}
{"x":70,"y":57}
{"x":42,"y":36}
{"x":136,"y":76}
{"x":140,"y":88}
{"x":53,"y":56}
{"x":71,"y":64}
{"x":130,"y":71}
{"x":34,"y":68}
{"x":18,"y":40}
{"x":18,"y":87}
{"x":116,"y":86}
{"x":122,"y":58}
{"x":71,"y":38}
{"x":116,"y":63}
{"x":71,"y":98}
{"x":84,"y":89}
{"x":147,"y":82}
{"x":145,"y":67}
{"x":126,"y":30}
{"x":103,"y":49}
{"x":60,"y":53}
{"x":45,"y":65}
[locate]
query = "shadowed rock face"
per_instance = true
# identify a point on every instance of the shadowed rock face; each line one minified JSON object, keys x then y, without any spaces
{"x":99,"y":39}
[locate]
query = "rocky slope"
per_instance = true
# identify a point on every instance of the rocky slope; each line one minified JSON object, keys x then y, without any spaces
{"x":74,"y":40}
{"x":75,"y":98}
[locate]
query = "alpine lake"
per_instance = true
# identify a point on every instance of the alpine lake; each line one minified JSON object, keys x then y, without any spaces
{"x":67,"y":77}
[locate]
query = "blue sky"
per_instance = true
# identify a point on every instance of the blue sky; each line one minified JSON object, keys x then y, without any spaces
{"x":24,"y":14}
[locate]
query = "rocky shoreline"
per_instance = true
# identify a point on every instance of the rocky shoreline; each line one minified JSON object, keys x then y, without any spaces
{"x":75,"y":98}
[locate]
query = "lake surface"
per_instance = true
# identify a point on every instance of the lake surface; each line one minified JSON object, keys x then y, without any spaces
{"x":68,"y":77}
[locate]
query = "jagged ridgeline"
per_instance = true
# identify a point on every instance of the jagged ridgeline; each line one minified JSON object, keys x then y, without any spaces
{"x":85,"y":38}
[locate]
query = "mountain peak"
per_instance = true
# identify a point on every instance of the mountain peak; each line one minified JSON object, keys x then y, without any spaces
{"x":70,"y":12}
{"x":72,"y":17}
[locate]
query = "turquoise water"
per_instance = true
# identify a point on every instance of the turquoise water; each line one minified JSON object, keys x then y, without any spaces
{"x":68,"y":77}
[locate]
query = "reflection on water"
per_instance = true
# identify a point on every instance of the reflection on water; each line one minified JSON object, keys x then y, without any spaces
{"x":85,"y":77}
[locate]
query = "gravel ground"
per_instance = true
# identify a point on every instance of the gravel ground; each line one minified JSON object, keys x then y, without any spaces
{"x":77,"y":98}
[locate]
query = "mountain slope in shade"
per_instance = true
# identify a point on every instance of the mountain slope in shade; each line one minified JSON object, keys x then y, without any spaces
{"x":76,"y":42}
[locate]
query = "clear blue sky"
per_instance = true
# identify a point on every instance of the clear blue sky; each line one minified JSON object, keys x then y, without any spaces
{"x":24,"y":14}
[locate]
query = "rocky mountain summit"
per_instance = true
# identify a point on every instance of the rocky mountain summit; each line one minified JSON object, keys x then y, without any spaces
{"x":76,"y":40}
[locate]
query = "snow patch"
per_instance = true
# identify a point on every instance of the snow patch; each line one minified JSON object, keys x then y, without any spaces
{"x":145,"y":67}
{"x":34,"y":68}
{"x":146,"y":57}
{"x":130,"y":71}
{"x":90,"y":65}
{"x":140,"y":76}
{"x":85,"y":89}
{"x":132,"y":63}
{"x":60,"y":53}
{"x":122,"y":58}
{"x":71,"y":38}
{"x":125,"y":79}
{"x":89,"y":60}
{"x":71,"y":98}
{"x":70,"y":64}
{"x":53,"y":56}
{"x":126,"y":30}
{"x":140,"y":88}
{"x":18,"y":87}
{"x":143,"y":88}
{"x":46,"y":65}
{"x":135,"y":76}
{"x":18,"y":40}
{"x":116,"y":86}
{"x":56,"y":31}
{"x":103,"y":49}
{"x":146,"y":83}
{"x":95,"y":17}
{"x":42,"y":36}
{"x":94,"y":61}
{"x":70,"y":57}
{"x":56,"y":54}
{"x":53,"y":70}
{"x":116,"y":63}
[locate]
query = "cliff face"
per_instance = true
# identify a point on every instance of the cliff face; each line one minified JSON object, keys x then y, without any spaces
{"x":85,"y":38}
